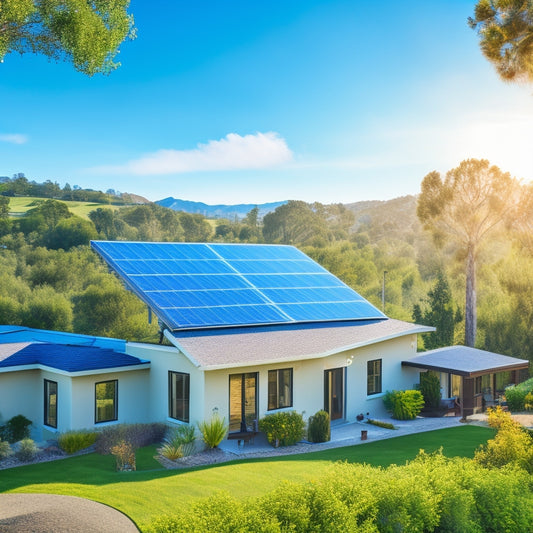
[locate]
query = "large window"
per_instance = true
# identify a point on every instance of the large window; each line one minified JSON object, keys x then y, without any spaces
{"x":106,"y":394}
{"x":279,"y":388}
{"x":178,"y":395}
{"x":50,"y":403}
{"x":373,"y":384}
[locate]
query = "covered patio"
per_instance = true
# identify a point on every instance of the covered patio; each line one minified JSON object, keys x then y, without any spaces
{"x":476,"y":378}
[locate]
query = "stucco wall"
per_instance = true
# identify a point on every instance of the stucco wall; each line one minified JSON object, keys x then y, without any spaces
{"x":20,"y":394}
{"x":164,"y":359}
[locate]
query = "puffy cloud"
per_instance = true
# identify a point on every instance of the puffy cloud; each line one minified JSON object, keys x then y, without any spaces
{"x":233,"y":152}
{"x":14,"y":138}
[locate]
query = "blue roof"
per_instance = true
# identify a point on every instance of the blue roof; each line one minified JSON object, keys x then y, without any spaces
{"x":24,"y":334}
{"x":196,"y":285}
{"x":64,"y":357}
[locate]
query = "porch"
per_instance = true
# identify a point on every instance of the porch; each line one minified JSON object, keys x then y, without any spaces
{"x":476,"y":378}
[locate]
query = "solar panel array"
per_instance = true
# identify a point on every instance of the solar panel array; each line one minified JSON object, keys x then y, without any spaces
{"x":193,"y":285}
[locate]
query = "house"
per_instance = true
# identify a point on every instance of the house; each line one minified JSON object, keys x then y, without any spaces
{"x":248,"y":329}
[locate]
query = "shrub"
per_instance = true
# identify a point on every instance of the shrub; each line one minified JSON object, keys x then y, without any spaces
{"x":18,"y":428}
{"x":319,"y":429}
{"x":5,"y":449}
{"x":528,"y":401}
{"x":27,"y":450}
{"x":171,"y":451}
{"x":213,"y":431}
{"x":430,"y":389}
{"x":284,"y":428}
{"x":380,"y":424}
{"x":515,"y":398}
{"x":74,"y":441}
{"x":139,"y":435}
{"x":405,"y":405}
{"x":124,"y":453}
{"x":179,"y":442}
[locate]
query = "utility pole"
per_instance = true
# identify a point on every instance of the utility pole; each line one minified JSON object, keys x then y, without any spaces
{"x":383,"y":292}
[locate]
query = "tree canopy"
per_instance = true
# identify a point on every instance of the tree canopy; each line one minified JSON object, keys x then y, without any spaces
{"x":505,"y":29}
{"x":86,"y":32}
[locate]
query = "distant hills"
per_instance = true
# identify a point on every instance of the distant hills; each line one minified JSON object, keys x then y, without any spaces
{"x":218,"y":211}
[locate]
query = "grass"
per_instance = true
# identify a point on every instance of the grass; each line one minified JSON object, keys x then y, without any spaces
{"x":152,"y":491}
{"x":19,"y":205}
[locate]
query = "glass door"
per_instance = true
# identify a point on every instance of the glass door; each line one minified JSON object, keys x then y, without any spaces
{"x":242,"y":401}
{"x":334,"y":393}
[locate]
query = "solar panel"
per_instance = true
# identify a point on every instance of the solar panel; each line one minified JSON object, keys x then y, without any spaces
{"x":195,"y":285}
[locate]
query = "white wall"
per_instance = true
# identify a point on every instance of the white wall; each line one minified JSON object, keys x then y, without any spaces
{"x":21,"y":394}
{"x":164,"y":359}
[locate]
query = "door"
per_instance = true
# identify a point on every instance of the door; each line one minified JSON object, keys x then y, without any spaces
{"x":334,"y":393}
{"x":242,"y":400}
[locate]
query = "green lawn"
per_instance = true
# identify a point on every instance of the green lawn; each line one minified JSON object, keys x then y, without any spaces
{"x":152,"y":491}
{"x":19,"y":205}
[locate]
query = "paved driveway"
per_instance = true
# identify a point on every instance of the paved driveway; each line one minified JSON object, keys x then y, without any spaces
{"x":50,"y":513}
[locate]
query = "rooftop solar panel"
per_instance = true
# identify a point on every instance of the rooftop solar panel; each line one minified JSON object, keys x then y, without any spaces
{"x":195,"y":285}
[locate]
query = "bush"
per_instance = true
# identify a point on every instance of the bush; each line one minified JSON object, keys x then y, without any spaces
{"x":284,"y":428}
{"x":124,"y":453}
{"x":515,"y":398}
{"x":404,"y":405}
{"x":27,"y":450}
{"x":213,"y":431}
{"x":179,"y":442}
{"x":319,"y":429}
{"x":17,"y":428}
{"x":74,"y":441}
{"x":430,"y":389}
{"x":380,"y":424}
{"x":139,"y":435}
{"x":528,"y":401}
{"x":5,"y":449}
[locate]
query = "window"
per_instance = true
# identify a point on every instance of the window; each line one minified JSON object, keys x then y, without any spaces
{"x":50,"y":403}
{"x":279,"y":388}
{"x":106,"y":393}
{"x":373,"y":384}
{"x":178,"y":396}
{"x":478,"y":385}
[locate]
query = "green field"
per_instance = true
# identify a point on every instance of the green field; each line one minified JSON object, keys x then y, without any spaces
{"x":19,"y":205}
{"x":152,"y":491}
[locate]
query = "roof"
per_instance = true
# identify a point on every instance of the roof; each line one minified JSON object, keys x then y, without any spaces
{"x":216,"y":349}
{"x":67,"y":358}
{"x":218,"y":285}
{"x":24,"y":334}
{"x":465,"y":361}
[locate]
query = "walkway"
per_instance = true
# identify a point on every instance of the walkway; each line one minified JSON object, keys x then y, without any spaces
{"x":51,"y":513}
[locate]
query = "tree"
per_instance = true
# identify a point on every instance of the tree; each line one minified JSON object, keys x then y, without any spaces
{"x":505,"y":28}
{"x":465,"y":208}
{"x":86,"y":32}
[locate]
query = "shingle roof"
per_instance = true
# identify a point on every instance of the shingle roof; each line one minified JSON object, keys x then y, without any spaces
{"x":215,"y":349}
{"x":465,"y":361}
{"x":68,"y":358}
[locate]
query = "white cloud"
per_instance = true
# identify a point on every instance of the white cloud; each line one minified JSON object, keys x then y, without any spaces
{"x":233,"y":152}
{"x":14,"y":138}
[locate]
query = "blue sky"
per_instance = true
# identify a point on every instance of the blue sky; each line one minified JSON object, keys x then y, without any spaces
{"x":230,"y":102}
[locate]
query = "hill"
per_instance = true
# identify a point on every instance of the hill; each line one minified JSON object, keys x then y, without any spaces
{"x":217,"y":211}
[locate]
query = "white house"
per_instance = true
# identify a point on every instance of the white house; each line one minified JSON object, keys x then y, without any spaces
{"x":249,"y":329}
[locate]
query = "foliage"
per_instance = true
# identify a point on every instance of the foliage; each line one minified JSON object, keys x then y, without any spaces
{"x":380,"y":424}
{"x":431,"y":493}
{"x":74,"y":441}
{"x":465,"y":208}
{"x":505,"y":30}
{"x":139,"y":435}
{"x":404,"y":405}
{"x":512,"y":445}
{"x":88,"y":34}
{"x":124,"y":453}
{"x":528,"y":401}
{"x":5,"y":449}
{"x":283,"y":428}
{"x":430,"y":389}
{"x":26,"y":450}
{"x":17,"y":428}
{"x":179,"y":442}
{"x":515,"y":395}
{"x":213,"y":431}
{"x":319,"y":429}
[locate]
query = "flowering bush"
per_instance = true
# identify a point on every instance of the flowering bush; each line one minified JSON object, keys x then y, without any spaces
{"x":284,"y":428}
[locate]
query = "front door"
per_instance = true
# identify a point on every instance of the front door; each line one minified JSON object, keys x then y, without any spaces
{"x":334,"y":393}
{"x":242,"y":400}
